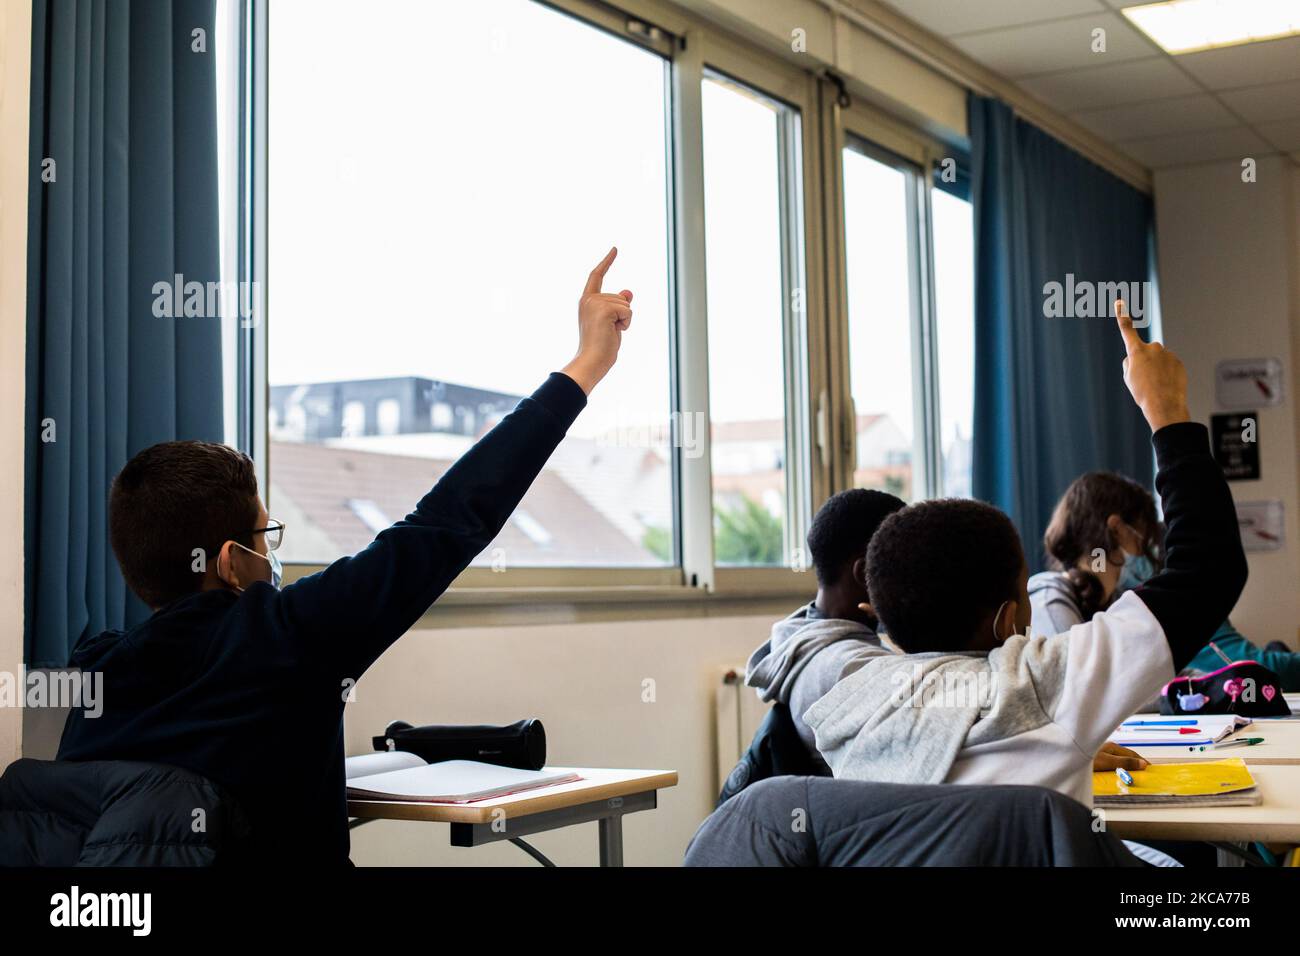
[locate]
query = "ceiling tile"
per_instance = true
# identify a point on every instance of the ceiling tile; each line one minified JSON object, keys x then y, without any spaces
{"x":1250,"y":64}
{"x":1054,"y":46}
{"x":1284,"y":134}
{"x":1181,"y":114}
{"x":1112,"y":85}
{"x":1258,"y":104}
{"x":1198,"y":147}
{"x":946,"y":17}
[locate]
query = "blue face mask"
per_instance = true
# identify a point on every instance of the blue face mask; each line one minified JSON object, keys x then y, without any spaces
{"x":1136,"y":569}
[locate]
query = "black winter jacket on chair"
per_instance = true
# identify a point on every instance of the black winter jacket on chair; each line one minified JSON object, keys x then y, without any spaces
{"x":776,"y":751}
{"x":115,"y":813}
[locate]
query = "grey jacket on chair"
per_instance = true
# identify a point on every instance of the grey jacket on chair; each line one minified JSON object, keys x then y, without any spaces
{"x":820,"y":821}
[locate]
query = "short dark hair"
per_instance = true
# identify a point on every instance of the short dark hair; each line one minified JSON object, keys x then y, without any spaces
{"x":170,"y":499}
{"x":937,"y":568}
{"x":844,"y":526}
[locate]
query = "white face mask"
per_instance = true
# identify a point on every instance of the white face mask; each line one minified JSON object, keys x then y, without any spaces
{"x":277,"y":569}
{"x":1002,"y":640}
{"x":996,"y":639}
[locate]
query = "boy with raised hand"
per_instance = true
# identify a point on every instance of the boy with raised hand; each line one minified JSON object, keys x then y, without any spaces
{"x":244,"y":682}
{"x":975,"y":700}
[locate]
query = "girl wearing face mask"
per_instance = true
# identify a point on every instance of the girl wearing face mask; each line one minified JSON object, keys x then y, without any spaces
{"x":1104,"y":539}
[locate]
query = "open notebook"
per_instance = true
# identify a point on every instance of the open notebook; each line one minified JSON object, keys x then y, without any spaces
{"x":400,"y":776}
{"x":1207,"y":783}
{"x":1156,"y":730}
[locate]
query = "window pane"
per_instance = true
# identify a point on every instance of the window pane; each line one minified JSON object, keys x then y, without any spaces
{"x":954,"y":291}
{"x":434,"y":210}
{"x":743,"y":229}
{"x":880,"y":322}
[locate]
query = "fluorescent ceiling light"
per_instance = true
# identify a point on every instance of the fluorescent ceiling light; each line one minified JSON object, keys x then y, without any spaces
{"x":1185,"y":26}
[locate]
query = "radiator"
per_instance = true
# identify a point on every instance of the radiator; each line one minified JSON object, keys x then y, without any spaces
{"x":739,"y":712}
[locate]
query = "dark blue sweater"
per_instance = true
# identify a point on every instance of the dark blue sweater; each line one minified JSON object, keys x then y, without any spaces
{"x":248,"y":689}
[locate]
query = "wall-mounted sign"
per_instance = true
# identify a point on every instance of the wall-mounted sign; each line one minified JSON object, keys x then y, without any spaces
{"x":1248,"y":383}
{"x":1236,"y":445}
{"x":1262,"y":525}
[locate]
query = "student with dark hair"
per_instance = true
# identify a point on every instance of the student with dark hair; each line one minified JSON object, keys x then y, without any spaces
{"x":1104,"y":540}
{"x":242,"y":681}
{"x":975,"y":700}
{"x":834,"y":635}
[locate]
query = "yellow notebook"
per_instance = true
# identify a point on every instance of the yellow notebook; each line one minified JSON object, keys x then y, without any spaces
{"x":1212,"y":783}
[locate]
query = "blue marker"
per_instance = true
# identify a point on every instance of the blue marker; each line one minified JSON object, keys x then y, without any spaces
{"x":1159,"y":723}
{"x":1125,"y":777}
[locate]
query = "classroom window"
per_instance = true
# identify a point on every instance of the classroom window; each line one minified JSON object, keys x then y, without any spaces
{"x":954,"y":292}
{"x":425,"y":265}
{"x":755,"y":293}
{"x":880,"y":225}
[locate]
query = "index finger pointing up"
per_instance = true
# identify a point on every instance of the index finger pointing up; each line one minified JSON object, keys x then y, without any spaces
{"x":1132,"y":341}
{"x":598,"y":274}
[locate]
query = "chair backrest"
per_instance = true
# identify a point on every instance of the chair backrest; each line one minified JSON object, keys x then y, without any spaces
{"x":820,"y":821}
{"x":115,"y":813}
{"x":775,"y":751}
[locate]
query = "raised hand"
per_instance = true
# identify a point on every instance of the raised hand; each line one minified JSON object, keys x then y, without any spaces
{"x":1154,"y":375}
{"x":602,"y":319}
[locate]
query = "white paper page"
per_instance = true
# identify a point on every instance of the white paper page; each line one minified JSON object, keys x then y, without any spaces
{"x":381,"y":761}
{"x":1209,"y":727}
{"x":457,"y":781}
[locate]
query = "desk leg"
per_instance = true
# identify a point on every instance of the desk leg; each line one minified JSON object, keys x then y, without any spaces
{"x":606,"y":814}
{"x":611,"y":840}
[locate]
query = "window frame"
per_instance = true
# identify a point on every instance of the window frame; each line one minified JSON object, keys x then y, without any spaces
{"x":793,"y":332}
{"x":961,"y":194}
{"x":681,"y":41}
{"x":872,"y":133}
{"x":820,"y":425}
{"x":721,"y":58}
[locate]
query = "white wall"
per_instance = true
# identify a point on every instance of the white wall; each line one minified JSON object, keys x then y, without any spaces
{"x":15,"y":69}
{"x":585,"y":683}
{"x":1229,"y":264}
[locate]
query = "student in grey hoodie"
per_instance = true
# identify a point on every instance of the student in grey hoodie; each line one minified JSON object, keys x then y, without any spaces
{"x":975,"y":700}
{"x":834,"y":635}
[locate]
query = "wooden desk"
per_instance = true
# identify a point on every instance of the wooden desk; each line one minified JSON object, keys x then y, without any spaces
{"x":1276,"y":820}
{"x":602,"y":795}
{"x":1281,"y":745}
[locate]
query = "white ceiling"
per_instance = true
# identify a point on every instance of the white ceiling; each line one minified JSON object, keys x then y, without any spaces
{"x":1162,"y":110}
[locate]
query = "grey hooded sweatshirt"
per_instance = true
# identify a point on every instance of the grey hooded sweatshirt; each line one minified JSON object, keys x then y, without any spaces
{"x":1033,"y":711}
{"x":806,"y":654}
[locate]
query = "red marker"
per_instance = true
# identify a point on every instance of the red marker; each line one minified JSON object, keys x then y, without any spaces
{"x":1173,"y":730}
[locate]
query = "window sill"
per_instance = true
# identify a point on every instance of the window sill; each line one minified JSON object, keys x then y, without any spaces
{"x":771,"y":592}
{"x":483,"y":607}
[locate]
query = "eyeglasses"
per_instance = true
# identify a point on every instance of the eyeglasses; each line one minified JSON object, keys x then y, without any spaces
{"x":274,"y":533}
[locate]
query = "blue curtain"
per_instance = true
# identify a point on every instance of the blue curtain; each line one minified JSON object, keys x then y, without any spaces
{"x":125,"y":109}
{"x":1050,"y":400}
